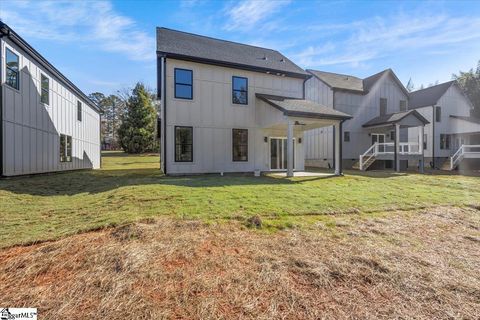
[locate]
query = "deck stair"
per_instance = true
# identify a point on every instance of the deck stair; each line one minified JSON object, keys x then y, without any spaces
{"x":465,"y":151}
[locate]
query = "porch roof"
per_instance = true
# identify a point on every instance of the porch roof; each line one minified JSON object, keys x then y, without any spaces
{"x":302,"y":108}
{"x":393,"y":118}
{"x":469,"y":119}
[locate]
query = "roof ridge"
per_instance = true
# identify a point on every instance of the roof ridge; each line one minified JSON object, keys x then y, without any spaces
{"x":440,"y":84}
{"x":334,"y":73}
{"x":378,"y":73}
{"x":217,"y":39}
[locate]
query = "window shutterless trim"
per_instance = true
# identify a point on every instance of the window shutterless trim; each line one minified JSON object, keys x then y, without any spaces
{"x":175,"y":143}
{"x":182,"y":84}
{"x":42,"y":89}
{"x":236,"y":90}
{"x":17,"y":72}
{"x":79,"y":111}
{"x":241,"y":144}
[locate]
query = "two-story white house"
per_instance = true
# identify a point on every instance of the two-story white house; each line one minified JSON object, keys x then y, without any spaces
{"x":452,"y":135}
{"x":379,"y":106}
{"x":231,"y":107}
{"x":46,"y":123}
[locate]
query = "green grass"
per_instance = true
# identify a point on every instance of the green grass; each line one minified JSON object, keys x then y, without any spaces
{"x":129,"y":188}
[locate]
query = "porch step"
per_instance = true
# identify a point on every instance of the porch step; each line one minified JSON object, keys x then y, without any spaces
{"x":367,"y":163}
{"x":445,"y":165}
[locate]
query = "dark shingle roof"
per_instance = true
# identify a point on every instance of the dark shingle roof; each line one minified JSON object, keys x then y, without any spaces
{"x":302,"y":108}
{"x":339,"y":81}
{"x":354,"y":84}
{"x":469,"y":119}
{"x":429,"y":96}
{"x":393,"y":118}
{"x":210,"y":50}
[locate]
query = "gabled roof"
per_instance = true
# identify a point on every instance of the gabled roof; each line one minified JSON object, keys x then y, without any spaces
{"x":339,"y":81}
{"x":351,"y":83}
{"x":469,"y":119}
{"x":429,"y":96}
{"x":393,"y":118}
{"x":12,"y":35}
{"x":193,"y":47}
{"x":302,"y":108}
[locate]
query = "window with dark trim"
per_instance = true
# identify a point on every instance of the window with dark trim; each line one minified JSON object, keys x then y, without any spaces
{"x":12,"y":70}
{"x":240,"y":144}
{"x":425,"y":144}
{"x":403,"y":105}
{"x":239,"y":90}
{"x":392,"y":135}
{"x":438,"y":114}
{"x":383,"y":106}
{"x":79,"y":111}
{"x":183,"y":144}
{"x":45,"y":84}
{"x":65,"y":148}
{"x":183,"y":84}
{"x":346,"y":136}
{"x":444,"y":141}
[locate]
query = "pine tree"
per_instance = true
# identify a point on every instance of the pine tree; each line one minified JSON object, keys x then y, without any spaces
{"x":470,"y":83}
{"x":137,"y":131}
{"x":410,"y":86}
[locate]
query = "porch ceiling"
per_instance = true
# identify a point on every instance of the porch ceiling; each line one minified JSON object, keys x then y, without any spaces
{"x":303,"y":124}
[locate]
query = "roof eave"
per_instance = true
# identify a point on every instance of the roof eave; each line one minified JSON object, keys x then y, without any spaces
{"x":232,"y":65}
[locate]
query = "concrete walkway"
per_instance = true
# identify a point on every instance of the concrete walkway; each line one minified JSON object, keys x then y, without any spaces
{"x":303,"y":174}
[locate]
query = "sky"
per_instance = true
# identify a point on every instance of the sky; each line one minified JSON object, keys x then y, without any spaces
{"x":107,"y":46}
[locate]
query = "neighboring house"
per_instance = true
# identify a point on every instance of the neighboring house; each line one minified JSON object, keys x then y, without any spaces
{"x":231,"y":107}
{"x":380,"y":121}
{"x":447,"y":109}
{"x":46,"y":123}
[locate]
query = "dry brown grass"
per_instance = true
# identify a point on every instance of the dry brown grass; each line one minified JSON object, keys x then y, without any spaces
{"x":404,"y":265}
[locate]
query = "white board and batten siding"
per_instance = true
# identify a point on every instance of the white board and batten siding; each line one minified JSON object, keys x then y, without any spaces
{"x":32,"y":129}
{"x":319,"y":148}
{"x":453,"y":102}
{"x":212,"y":115}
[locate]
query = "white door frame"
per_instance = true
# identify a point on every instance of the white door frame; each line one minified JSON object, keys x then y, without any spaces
{"x":285,"y":151}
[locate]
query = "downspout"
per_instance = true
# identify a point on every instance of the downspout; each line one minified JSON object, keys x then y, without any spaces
{"x":333,"y":130}
{"x":341,"y":147}
{"x":164,"y":108}
{"x":1,"y":104}
{"x":433,"y":137}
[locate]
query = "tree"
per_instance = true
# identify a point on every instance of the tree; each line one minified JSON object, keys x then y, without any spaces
{"x":137,"y":130}
{"x":470,"y":83}
{"x":410,"y":86}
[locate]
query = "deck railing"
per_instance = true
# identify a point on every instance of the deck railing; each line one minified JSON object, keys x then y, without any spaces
{"x":387,"y":148}
{"x":464,"y":150}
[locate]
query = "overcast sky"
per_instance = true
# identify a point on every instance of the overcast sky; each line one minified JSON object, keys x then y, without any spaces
{"x":109,"y":45}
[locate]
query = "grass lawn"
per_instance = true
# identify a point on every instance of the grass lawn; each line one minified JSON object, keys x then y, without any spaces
{"x":131,"y":188}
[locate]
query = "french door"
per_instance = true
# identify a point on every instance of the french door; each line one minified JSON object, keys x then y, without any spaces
{"x":278,"y":153}
{"x":380,"y":138}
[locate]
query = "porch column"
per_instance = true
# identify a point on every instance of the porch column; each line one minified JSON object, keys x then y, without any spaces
{"x":290,"y":149}
{"x":422,"y":151}
{"x":338,"y":146}
{"x":397,"y":145}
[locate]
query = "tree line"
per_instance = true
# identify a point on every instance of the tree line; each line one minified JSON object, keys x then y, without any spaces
{"x":129,"y":120}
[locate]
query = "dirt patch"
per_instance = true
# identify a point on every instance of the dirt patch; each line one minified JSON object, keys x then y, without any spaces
{"x":415,"y":265}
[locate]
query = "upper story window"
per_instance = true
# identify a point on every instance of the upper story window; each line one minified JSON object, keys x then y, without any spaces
{"x":438,"y":114}
{"x":239,"y":90}
{"x":383,"y":106}
{"x":403,"y":105}
{"x":183,"y":144}
{"x":45,"y":83}
{"x":183,"y":84}
{"x":240,"y":144}
{"x":12,"y":68}
{"x":79,"y":111}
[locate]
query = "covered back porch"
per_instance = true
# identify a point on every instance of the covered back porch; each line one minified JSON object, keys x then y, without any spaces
{"x":396,"y":150}
{"x":284,"y":128}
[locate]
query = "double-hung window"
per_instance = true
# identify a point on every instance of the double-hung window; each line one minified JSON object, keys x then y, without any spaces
{"x":12,"y":70}
{"x":183,"y":144}
{"x":438,"y":114}
{"x":239,"y":90}
{"x":45,"y":83}
{"x":79,"y":111}
{"x":183,"y":84}
{"x":444,"y":141}
{"x":240,"y":144}
{"x":403,"y":105}
{"x":65,"y":148}
{"x":346,"y":136}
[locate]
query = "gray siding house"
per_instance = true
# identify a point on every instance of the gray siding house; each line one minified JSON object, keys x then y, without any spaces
{"x":231,"y":107}
{"x":46,"y":123}
{"x":379,"y":106}
{"x":452,"y":135}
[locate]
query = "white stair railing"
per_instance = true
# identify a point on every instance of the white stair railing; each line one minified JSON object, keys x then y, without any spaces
{"x":368,"y":155}
{"x":465,"y":150}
